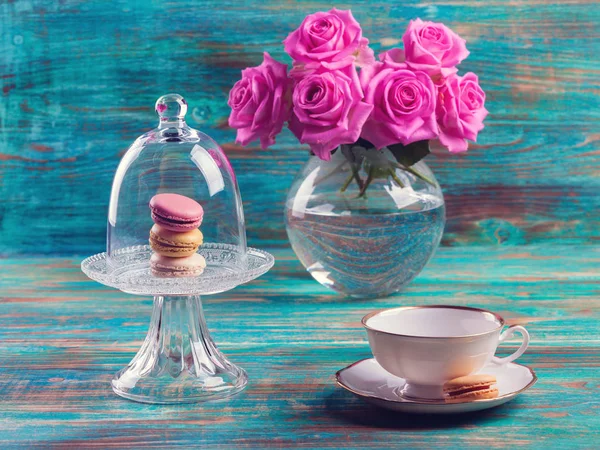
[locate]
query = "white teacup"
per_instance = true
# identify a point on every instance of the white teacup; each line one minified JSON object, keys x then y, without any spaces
{"x":429,"y":345}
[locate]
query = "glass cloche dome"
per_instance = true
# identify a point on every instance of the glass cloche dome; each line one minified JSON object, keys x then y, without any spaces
{"x":175,"y":159}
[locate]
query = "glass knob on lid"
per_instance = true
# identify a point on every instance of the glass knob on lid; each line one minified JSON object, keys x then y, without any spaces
{"x":171,"y":108}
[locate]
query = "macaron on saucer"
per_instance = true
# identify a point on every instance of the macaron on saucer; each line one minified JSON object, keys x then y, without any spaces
{"x":369,"y":381}
{"x":480,"y":386}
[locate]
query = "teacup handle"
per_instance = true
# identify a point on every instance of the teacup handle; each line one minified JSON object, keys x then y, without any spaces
{"x":507,"y":334}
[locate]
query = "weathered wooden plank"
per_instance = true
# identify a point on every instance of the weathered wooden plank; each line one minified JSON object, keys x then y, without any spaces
{"x":79,"y":80}
{"x":62,"y":337}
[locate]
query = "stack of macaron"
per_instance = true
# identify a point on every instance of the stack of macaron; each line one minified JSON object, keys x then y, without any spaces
{"x":175,"y":236}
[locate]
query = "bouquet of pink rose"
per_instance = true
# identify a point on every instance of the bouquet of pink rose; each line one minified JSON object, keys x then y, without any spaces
{"x":399,"y":102}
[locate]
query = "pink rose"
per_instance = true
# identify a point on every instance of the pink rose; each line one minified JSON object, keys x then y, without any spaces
{"x":394,"y":57}
{"x":259,"y":102}
{"x":433,"y":48}
{"x":328,"y":110}
{"x":333,"y":39}
{"x":460,"y":111}
{"x":403,"y":105}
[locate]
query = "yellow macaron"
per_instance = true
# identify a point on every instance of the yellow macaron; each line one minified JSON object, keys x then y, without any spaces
{"x":175,"y":243}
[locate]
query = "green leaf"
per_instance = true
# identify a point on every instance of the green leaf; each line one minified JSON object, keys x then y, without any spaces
{"x":410,"y":154}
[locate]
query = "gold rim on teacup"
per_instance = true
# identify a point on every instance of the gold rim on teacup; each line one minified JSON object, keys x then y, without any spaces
{"x":499,"y":318}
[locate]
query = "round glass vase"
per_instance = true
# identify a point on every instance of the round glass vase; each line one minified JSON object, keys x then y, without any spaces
{"x":362,"y":224}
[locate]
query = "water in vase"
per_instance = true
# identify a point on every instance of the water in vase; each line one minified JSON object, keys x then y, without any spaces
{"x":372,"y":253}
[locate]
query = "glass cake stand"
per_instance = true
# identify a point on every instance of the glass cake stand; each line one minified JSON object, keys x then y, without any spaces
{"x":178,"y":361}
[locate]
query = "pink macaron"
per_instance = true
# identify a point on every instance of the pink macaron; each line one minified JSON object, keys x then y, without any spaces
{"x":176,"y":212}
{"x":188,"y":266}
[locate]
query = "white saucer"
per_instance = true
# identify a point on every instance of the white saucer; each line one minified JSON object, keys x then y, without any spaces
{"x":368,"y":380}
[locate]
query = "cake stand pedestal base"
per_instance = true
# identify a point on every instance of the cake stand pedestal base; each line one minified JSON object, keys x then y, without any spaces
{"x":178,"y":362}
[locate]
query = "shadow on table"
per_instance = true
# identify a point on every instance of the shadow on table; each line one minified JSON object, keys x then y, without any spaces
{"x":343,"y":406}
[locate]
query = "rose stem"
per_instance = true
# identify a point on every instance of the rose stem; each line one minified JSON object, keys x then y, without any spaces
{"x":367,"y":183}
{"x":395,"y":178}
{"x":415,"y":173}
{"x":347,"y":182}
{"x":355,"y":170}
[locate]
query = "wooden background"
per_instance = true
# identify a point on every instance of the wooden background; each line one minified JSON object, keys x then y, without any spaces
{"x":78,"y":83}
{"x":79,"y":80}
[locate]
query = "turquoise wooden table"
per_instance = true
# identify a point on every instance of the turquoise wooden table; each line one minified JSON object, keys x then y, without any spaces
{"x":62,"y":337}
{"x":78,"y":82}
